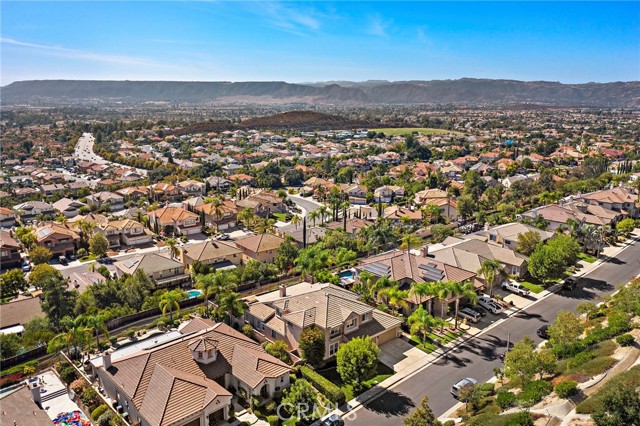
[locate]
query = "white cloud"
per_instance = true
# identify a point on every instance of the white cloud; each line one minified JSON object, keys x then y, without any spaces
{"x":64,"y":52}
{"x":379,"y":26}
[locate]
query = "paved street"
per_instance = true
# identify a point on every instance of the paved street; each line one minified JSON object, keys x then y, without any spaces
{"x":477,"y":357}
{"x":307,"y":204}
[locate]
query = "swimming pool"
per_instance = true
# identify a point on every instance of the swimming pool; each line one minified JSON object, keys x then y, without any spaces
{"x":346,"y":274}
{"x":194,"y":293}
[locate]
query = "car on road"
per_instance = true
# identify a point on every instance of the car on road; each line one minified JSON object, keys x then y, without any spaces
{"x":333,"y":420}
{"x":26,"y":266}
{"x":470,"y":314}
{"x":570,"y":283}
{"x":543,"y":331}
{"x":468,"y":381}
{"x":105,"y":260}
{"x":63,"y":260}
{"x":490,"y":304}
{"x":223,"y":237}
{"x":516,"y":288}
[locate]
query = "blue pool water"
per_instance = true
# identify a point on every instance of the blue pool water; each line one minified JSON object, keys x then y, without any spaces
{"x":346,"y":274}
{"x":194,"y":293}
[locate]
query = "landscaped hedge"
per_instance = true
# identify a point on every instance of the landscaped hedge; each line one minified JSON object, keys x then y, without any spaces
{"x":533,"y":392}
{"x":506,"y":400}
{"x":625,"y":340}
{"x":566,"y":388}
{"x":330,"y":390}
{"x":95,"y":414}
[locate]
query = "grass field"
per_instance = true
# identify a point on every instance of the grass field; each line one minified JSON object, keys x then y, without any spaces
{"x":409,"y":130}
{"x":332,"y":375}
{"x":586,"y":258}
{"x":535,"y":288}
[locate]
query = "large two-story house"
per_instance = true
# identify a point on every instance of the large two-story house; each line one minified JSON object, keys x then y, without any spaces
{"x":112,"y":200}
{"x":7,"y":218}
{"x":162,"y":270}
{"x":620,"y":199}
{"x":58,"y":238}
{"x":29,"y":210}
{"x":68,"y":207}
{"x":185,"y":380}
{"x":9,"y":251}
{"x":217,"y":254}
{"x":335,"y":310}
{"x":176,"y":219}
{"x":262,"y":247}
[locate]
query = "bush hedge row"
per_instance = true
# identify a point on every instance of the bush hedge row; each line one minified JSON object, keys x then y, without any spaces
{"x":330,"y":390}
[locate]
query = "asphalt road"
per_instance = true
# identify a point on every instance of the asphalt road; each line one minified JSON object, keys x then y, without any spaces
{"x":477,"y":357}
{"x":306,"y":204}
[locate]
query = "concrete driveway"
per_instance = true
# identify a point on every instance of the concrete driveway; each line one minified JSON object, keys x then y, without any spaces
{"x":399,"y":354}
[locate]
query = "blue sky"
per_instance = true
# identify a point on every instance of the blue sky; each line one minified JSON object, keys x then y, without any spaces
{"x":573,"y":42}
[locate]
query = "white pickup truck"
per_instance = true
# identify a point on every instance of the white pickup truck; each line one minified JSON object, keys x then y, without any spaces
{"x":515,"y":287}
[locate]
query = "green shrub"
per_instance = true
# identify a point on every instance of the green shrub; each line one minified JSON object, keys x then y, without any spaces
{"x":273,"y":420}
{"x":330,"y":390}
{"x":625,"y":340}
{"x":247,"y":330}
{"x":106,"y":418}
{"x":533,"y":392}
{"x":66,"y":371}
{"x":566,"y":388}
{"x":506,"y":400}
{"x":449,"y":423}
{"x":487,"y":389}
{"x":90,"y":398}
{"x":271,"y":407}
{"x":95,"y":414}
{"x":580,"y":359}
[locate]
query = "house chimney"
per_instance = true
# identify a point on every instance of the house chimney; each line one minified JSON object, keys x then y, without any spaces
{"x":34,"y":387}
{"x":106,"y":359}
{"x":283,"y":290}
{"x":486,"y":226}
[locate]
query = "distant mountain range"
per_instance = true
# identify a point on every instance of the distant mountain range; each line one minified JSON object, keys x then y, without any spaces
{"x":465,"y":91}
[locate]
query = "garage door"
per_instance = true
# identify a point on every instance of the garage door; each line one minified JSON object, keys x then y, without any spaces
{"x":386,"y":336}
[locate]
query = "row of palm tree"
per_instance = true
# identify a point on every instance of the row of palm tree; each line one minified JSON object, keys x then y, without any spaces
{"x":78,"y":332}
{"x":221,"y":285}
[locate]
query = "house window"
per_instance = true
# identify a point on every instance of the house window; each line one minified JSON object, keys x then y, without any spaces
{"x":351,"y":323}
{"x":335,"y":331}
{"x":199,"y":354}
{"x":273,"y":334}
{"x":333,"y":348}
{"x":365,"y":317}
{"x":281,"y":379}
{"x":210,"y":353}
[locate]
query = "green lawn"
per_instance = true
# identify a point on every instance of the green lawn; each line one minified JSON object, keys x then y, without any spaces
{"x":586,"y":258}
{"x":331,"y":374}
{"x":428,"y":346}
{"x":88,"y":258}
{"x":282,"y":217}
{"x":535,"y":288}
{"x":400,"y":131}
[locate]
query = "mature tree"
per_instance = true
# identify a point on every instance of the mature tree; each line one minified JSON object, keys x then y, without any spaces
{"x":170,"y":301}
{"x":527,"y":242}
{"x":265,"y":226}
{"x":40,"y":255}
{"x":421,"y":323}
{"x":431,"y":213}
{"x":43,"y":273}
{"x":626,"y":226}
{"x":567,"y":247}
{"x":492,"y":271}
{"x":311,"y":345}
{"x":440,"y":232}
{"x":546,"y":263}
{"x":11,"y":282}
{"x":10,"y":345}
{"x":620,"y":407}
{"x":229,"y":304}
{"x":279,"y":349}
{"x":546,"y":362}
{"x":37,"y":332}
{"x":286,"y":255}
{"x":96,"y":324}
{"x":247,"y":217}
{"x":460,"y":290}
{"x":409,"y":241}
{"x":470,"y":394}
{"x":520,"y":362}
{"x":467,"y":205}
{"x":357,"y":360}
{"x":422,"y":415}
{"x":299,"y":396}
{"x":587,"y":309}
{"x":172,"y":244}
{"x":394,"y":297}
{"x":26,"y":236}
{"x":75,"y":335}
{"x":136,"y":288}
{"x":98,"y":245}
{"x":565,"y":331}
{"x":312,"y":260}
{"x":58,"y":301}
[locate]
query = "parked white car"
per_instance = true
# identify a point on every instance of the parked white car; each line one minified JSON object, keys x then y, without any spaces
{"x":515,"y":287}
{"x":491,"y":305}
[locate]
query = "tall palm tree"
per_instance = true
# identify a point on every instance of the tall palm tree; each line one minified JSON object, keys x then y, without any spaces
{"x":97,"y":326}
{"x":394,"y":298}
{"x":264,"y":226}
{"x":215,"y":283}
{"x":368,"y":286}
{"x":247,"y":216}
{"x":229,"y":304}
{"x":75,"y":335}
{"x":443,"y":290}
{"x":409,"y":241}
{"x":427,"y":288}
{"x":217,"y":208}
{"x":295,"y":220}
{"x":492,"y":271}
{"x":314,"y":215}
{"x":421,"y":323}
{"x":460,"y":290}
{"x":86,"y":229}
{"x":174,"y":251}
{"x":169,"y":301}
{"x":324,"y":213}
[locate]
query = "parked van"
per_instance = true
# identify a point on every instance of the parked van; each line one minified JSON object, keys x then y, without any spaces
{"x":470,"y":314}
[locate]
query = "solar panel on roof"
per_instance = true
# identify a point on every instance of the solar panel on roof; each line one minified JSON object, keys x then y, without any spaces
{"x":377,"y":269}
{"x":431,"y":272}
